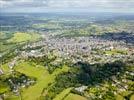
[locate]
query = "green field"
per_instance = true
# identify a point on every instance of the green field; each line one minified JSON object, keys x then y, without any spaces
{"x":63,"y":94}
{"x":66,"y":95}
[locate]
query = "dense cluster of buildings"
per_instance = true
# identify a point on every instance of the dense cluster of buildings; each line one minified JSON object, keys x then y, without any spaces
{"x":91,"y":49}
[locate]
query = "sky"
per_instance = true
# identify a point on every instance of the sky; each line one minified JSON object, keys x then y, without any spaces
{"x":126,"y":6}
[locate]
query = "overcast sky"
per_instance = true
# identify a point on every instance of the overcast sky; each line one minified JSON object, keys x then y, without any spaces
{"x":67,"y":6}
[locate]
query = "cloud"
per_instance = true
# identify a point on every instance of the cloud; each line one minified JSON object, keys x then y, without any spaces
{"x":117,"y":5}
{"x":19,"y":3}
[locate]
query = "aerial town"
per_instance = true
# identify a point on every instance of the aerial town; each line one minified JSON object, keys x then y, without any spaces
{"x":66,"y":57}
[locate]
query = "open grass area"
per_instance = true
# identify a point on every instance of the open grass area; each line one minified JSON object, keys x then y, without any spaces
{"x":23,"y":37}
{"x":3,"y":87}
{"x":12,"y":97}
{"x":43,"y":79}
{"x":72,"y":96}
{"x":63,"y":94}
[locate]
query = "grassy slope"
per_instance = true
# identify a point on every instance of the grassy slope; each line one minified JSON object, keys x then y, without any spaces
{"x":43,"y":79}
